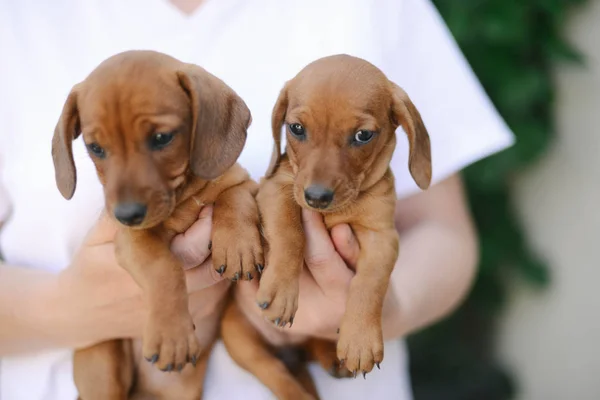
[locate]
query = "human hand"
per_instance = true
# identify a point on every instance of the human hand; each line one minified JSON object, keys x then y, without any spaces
{"x":100,"y":300}
{"x":330,"y":262}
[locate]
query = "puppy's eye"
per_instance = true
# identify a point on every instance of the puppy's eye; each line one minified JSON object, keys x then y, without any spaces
{"x":297,"y":130}
{"x":363,"y":136}
{"x":96,"y":150}
{"x":161,"y":140}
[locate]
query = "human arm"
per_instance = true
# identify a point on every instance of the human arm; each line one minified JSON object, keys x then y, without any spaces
{"x":94,"y":299}
{"x":437,"y":260}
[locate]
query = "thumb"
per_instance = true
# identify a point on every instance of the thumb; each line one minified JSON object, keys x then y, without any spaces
{"x":202,"y":276}
{"x":319,"y":248}
{"x":346,"y":244}
{"x":325,"y":265}
{"x":193,"y":246}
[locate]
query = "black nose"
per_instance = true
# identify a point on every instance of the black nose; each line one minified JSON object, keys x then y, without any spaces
{"x":130,"y":213}
{"x":318,"y":196}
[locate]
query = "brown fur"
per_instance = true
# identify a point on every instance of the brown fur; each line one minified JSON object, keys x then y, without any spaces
{"x":333,"y":98}
{"x":121,"y":106}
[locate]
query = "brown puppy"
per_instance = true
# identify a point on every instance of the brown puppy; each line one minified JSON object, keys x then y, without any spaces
{"x":164,"y":137}
{"x":340,"y":114}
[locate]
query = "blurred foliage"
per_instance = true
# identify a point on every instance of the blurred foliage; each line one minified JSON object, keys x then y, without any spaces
{"x":513,"y":46}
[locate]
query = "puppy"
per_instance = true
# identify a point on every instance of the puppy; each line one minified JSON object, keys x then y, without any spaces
{"x":164,"y":137}
{"x":340,"y":115}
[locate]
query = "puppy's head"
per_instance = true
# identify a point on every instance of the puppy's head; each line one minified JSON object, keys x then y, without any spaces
{"x":148,"y":120}
{"x":340,"y":115}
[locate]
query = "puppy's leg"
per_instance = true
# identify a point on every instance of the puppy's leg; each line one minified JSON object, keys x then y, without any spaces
{"x":324,"y":352}
{"x":168,"y":337}
{"x":104,"y":371}
{"x":282,"y":226}
{"x":187,"y":384}
{"x":360,"y":345}
{"x":250,"y":352}
{"x":236,"y":245}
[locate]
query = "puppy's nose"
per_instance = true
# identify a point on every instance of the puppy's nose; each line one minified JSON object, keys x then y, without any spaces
{"x":130,"y":214}
{"x":318,"y":196}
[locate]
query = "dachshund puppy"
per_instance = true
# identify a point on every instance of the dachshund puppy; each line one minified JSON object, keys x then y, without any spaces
{"x":164,"y":137}
{"x":340,"y":115}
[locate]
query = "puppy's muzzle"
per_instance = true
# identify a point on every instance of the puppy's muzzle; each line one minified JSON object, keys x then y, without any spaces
{"x":130,"y":214}
{"x":318,"y":196}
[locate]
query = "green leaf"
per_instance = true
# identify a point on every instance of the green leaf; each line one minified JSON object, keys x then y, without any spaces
{"x":525,"y":88}
{"x":532,"y":140}
{"x":535,"y":272}
{"x":561,"y":51}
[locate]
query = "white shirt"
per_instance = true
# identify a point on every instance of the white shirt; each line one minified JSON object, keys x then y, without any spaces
{"x":254,"y":46}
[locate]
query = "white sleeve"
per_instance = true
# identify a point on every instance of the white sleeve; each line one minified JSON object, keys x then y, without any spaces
{"x":422,"y":57}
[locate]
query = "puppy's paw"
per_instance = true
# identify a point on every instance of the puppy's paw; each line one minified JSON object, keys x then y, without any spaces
{"x":237,"y":252}
{"x":360,"y":347}
{"x":328,"y":359}
{"x":338,"y":370}
{"x":170,"y":342}
{"x":278,"y":296}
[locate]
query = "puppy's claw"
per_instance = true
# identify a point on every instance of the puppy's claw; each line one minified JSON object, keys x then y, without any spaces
{"x":354,"y":374}
{"x":263,"y":305}
{"x":153,"y":359}
{"x":221,"y":270}
{"x":236,"y":277}
{"x":260,"y":268}
{"x":365,"y":375}
{"x":168,"y":368}
{"x":194,"y":360}
{"x":277,"y":321}
{"x":378,"y":367}
{"x":291,"y":321}
{"x":338,"y":330}
{"x":249,"y":276}
{"x":179,"y":367}
{"x":210,"y":245}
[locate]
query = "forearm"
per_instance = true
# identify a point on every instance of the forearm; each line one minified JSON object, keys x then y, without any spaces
{"x":433,"y":273}
{"x":41,"y":310}
{"x":26,"y":304}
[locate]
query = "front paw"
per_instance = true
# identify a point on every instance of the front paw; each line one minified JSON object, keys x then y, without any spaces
{"x":170,"y":342}
{"x":360,"y":346}
{"x":237,"y":252}
{"x":278,"y":295}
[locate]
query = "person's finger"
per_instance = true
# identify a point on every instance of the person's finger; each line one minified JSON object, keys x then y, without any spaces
{"x":325,"y":265}
{"x":346,"y":244}
{"x":319,"y":248}
{"x":202,"y":276}
{"x":193,"y":246}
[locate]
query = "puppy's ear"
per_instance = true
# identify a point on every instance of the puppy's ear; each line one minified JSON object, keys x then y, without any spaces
{"x":406,"y":114}
{"x":67,"y":129}
{"x":220,"y":121}
{"x":277,"y":118}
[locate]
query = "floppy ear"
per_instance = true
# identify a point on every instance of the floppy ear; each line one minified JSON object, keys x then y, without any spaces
{"x":406,"y":114}
{"x":220,"y":121}
{"x":277,"y":118}
{"x":67,"y":129}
